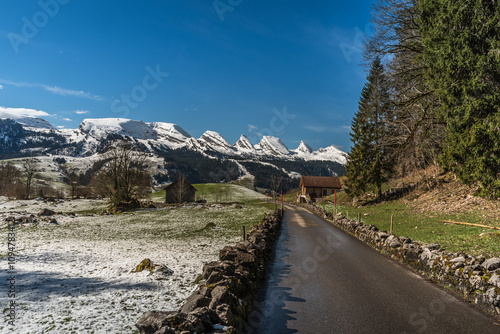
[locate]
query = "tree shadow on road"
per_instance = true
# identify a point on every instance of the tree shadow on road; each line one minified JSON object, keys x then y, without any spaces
{"x":270,"y":313}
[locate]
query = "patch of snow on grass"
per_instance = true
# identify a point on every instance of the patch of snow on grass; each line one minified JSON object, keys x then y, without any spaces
{"x":76,"y":277}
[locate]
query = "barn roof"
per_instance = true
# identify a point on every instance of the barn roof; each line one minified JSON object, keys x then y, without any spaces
{"x":180,"y":179}
{"x":320,"y":182}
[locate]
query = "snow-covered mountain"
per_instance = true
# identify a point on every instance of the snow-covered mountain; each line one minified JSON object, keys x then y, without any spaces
{"x":100,"y":128}
{"x":31,"y":134}
{"x":244,"y":145}
{"x":214,"y":141}
{"x":170,"y":133}
{"x":34,"y":123}
{"x":304,"y":149}
{"x":272,"y":146}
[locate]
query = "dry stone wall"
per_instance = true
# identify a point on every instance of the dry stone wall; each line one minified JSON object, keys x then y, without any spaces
{"x":477,"y":279}
{"x":226,"y":293}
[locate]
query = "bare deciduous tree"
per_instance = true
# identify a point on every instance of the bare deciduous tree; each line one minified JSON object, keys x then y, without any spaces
{"x":74,"y":183}
{"x":30,"y":169}
{"x":181,"y":189}
{"x":125,"y":176}
{"x":276,"y":180}
{"x":417,"y":133}
{"x":9,"y":178}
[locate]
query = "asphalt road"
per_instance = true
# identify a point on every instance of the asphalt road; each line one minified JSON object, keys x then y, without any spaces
{"x":322,"y":280}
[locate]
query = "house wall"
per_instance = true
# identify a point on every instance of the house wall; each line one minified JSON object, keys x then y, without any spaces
{"x":317,"y":191}
{"x":171,"y":196}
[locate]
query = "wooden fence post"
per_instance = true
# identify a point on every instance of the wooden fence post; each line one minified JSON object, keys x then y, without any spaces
{"x":392,"y":219}
{"x":282,"y":204}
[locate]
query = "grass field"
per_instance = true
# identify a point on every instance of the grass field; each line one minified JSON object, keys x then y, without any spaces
{"x":428,"y":227}
{"x":219,"y":193}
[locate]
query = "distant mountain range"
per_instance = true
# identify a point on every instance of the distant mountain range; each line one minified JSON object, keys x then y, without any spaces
{"x":20,"y":135}
{"x":35,"y":136}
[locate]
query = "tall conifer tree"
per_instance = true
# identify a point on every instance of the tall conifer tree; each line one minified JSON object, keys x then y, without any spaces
{"x":368,"y":164}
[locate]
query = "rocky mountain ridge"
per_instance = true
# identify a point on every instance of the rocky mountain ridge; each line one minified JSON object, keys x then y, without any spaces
{"x":22,"y":135}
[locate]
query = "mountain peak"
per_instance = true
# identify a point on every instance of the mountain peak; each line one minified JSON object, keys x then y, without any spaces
{"x":272,"y":146}
{"x":214,"y":141}
{"x":100,"y":128}
{"x":170,"y":132}
{"x":244,"y":144}
{"x":93,"y":134}
{"x":28,"y":121}
{"x":215,"y":138}
{"x":304,"y":148}
{"x":332,"y":153}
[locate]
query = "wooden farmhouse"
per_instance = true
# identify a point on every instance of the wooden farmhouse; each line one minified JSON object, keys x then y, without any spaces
{"x":180,"y":191}
{"x":313,"y":187}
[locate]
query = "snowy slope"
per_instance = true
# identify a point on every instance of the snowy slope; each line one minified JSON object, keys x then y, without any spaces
{"x":99,"y":128}
{"x":28,"y":122}
{"x":304,"y":149}
{"x":170,"y":134}
{"x":93,"y":134}
{"x":272,"y":146}
{"x":215,"y":141}
{"x":244,"y":146}
{"x":330,"y":153}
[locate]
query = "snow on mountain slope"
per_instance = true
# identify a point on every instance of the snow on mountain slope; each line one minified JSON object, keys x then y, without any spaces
{"x":194,"y":144}
{"x":215,"y":141}
{"x":91,"y":135}
{"x":170,"y":133}
{"x":29,"y":122}
{"x":244,"y":145}
{"x":304,"y":149}
{"x":273,"y":146}
{"x":100,"y":128}
{"x":330,"y":153}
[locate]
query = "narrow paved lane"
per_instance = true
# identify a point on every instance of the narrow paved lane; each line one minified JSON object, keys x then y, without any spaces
{"x":325,"y":281}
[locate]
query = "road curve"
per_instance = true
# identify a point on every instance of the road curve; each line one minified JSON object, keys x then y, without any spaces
{"x":323,"y":280}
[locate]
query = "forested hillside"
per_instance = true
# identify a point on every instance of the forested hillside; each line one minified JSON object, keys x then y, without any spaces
{"x":432,"y":96}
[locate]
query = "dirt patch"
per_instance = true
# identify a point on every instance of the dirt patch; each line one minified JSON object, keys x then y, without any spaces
{"x":450,"y":196}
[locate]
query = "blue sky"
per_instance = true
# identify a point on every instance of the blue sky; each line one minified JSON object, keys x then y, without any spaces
{"x":285,"y":68}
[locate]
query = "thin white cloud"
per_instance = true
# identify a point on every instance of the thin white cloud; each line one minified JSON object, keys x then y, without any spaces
{"x":67,"y":119}
{"x":21,"y":112}
{"x":81,"y":112}
{"x":1,"y":87}
{"x":68,"y":92}
{"x":316,"y":128}
{"x":347,"y":128}
{"x":60,"y":126}
{"x":328,"y":129}
{"x":54,"y":90}
{"x":254,"y":130}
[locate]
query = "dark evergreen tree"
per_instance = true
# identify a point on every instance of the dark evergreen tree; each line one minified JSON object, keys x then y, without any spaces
{"x":368,"y":165}
{"x":462,"y":53}
{"x":358,"y":165}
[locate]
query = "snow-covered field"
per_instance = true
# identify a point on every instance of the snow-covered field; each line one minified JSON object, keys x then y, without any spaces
{"x":33,"y":206}
{"x":75,"y":276}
